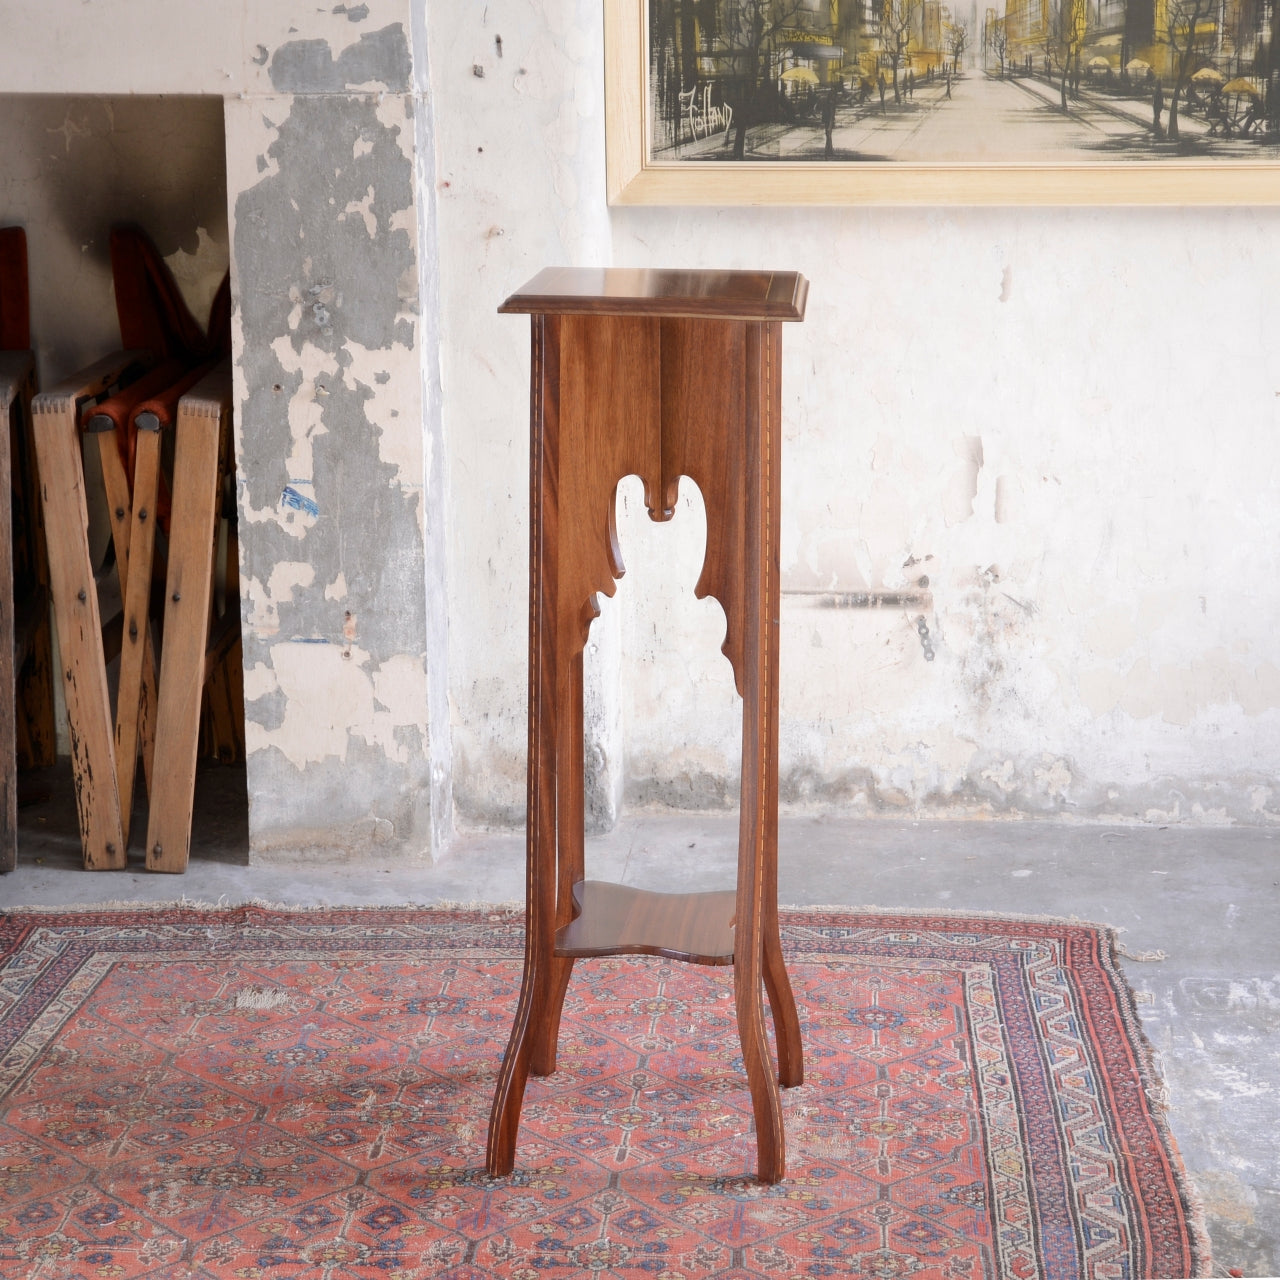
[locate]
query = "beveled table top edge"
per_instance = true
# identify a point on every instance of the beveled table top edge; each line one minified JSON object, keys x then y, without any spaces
{"x":712,"y":295}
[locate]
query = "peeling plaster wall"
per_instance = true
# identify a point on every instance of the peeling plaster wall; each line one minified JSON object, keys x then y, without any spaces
{"x":327,"y":242}
{"x":1062,"y":420}
{"x":336,"y":379}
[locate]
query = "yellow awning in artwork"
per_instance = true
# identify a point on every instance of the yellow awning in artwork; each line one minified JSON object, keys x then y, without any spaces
{"x":800,"y":75}
{"x":1240,"y":85}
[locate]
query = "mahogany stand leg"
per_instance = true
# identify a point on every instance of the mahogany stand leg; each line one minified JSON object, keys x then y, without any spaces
{"x":540,"y":822}
{"x":786,"y":1022}
{"x":759,"y":729}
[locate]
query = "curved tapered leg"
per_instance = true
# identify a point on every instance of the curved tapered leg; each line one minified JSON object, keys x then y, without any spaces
{"x":538,"y":983}
{"x":782,"y":1004}
{"x":540,"y":814}
{"x":504,"y":1118}
{"x":766,"y":1106}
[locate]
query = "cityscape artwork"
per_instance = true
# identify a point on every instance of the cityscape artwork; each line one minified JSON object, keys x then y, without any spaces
{"x":922,"y":82}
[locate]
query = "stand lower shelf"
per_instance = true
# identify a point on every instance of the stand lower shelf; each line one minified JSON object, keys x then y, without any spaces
{"x":617,"y":919}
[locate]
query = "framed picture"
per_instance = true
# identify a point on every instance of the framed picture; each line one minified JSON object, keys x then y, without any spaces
{"x":980,"y":102}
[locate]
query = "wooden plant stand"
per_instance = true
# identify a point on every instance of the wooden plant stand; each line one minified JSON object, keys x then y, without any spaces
{"x":659,"y":374}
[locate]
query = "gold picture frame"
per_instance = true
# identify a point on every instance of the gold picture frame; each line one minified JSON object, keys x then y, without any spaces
{"x":634,"y":177}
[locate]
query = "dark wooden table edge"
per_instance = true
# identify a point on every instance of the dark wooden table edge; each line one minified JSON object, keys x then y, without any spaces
{"x":790,"y":306}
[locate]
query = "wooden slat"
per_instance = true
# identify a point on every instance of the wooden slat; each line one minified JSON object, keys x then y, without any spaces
{"x":188,"y":593}
{"x":115,"y":484}
{"x":75,"y":603}
{"x":133,"y":698}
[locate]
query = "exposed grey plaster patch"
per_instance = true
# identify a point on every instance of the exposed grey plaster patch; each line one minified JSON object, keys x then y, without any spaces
{"x":378,"y":57}
{"x":290,"y":241}
{"x":267,"y":711}
{"x":355,"y":12}
{"x":356,"y":796}
{"x":260,"y":59}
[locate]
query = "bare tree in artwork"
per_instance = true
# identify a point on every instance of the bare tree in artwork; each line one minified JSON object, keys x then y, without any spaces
{"x":998,"y":42}
{"x":1188,"y":30}
{"x":957,"y":41}
{"x":747,"y":28}
{"x":896,"y":23}
{"x":1065,"y":37}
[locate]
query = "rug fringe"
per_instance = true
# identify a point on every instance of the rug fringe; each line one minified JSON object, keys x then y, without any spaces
{"x":263,"y":904}
{"x":1142,"y":957}
{"x":1010,"y":917}
{"x":1110,"y":931}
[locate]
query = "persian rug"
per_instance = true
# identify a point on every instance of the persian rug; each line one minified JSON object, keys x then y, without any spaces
{"x":257,"y":1093}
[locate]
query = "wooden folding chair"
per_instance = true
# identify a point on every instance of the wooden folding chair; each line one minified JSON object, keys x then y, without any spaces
{"x":130,"y":464}
{"x":125,"y":405}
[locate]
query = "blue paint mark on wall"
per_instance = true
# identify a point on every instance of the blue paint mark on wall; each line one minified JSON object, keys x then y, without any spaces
{"x":296,"y":501}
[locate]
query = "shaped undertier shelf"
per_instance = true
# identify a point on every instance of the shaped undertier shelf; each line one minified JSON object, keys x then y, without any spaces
{"x":617,"y":919}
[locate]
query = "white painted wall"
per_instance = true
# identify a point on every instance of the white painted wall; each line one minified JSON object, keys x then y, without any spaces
{"x":1101,"y":587}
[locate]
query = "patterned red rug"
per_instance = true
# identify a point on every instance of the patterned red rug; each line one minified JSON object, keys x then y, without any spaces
{"x":255,"y":1093}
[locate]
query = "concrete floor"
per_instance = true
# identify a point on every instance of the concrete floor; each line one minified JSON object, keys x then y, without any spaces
{"x":1207,"y":897}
